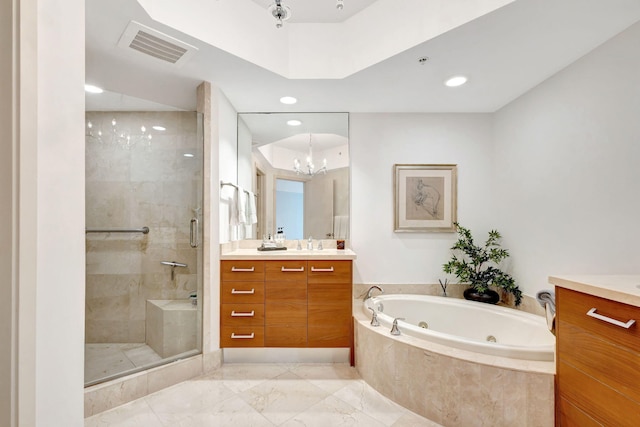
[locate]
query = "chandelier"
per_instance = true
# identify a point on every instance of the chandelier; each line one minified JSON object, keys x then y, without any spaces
{"x":310,"y":167}
{"x":115,"y":136}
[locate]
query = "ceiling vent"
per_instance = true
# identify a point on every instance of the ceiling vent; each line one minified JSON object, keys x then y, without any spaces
{"x":154,"y":43}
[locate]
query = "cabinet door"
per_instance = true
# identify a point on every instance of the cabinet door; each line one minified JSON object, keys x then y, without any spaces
{"x":286,"y":304}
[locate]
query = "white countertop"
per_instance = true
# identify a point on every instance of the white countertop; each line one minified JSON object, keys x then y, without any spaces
{"x":324,"y":254}
{"x":620,"y":288}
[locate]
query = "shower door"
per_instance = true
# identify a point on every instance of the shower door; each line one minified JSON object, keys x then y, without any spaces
{"x":144,"y":189}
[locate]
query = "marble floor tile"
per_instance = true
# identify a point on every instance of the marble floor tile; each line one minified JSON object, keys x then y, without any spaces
{"x":369,"y":401}
{"x":265,"y":395}
{"x":283,"y":397}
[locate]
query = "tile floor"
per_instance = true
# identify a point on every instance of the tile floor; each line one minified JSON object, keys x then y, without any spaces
{"x":256,"y":395}
{"x":104,"y":360}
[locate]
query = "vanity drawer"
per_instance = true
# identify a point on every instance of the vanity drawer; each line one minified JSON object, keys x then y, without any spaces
{"x":242,"y":271}
{"x":242,"y":292}
{"x":596,"y":399}
{"x":329,"y":272}
{"x":242,"y":336}
{"x":242,"y":314}
{"x":285,"y":271}
{"x":615,"y":366}
{"x":574,"y":306}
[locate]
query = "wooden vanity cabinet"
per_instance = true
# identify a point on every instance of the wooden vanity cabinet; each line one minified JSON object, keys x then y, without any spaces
{"x":286,"y":304}
{"x":242,"y":310}
{"x":598,"y":362}
{"x":304,"y":303}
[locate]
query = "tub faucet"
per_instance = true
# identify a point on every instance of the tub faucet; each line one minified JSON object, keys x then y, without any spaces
{"x":394,"y":328}
{"x":374,"y":317}
{"x":367,"y":295}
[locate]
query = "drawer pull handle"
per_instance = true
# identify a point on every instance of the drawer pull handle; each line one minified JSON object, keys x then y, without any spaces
{"x":249,"y":270}
{"x":236,"y":292}
{"x":592,"y":313}
{"x":326,"y":270}
{"x":242,"y":313}
{"x":292,"y":269}
{"x":241,"y":337}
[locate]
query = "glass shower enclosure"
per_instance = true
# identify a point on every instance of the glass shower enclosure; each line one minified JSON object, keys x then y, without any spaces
{"x":144,"y":191}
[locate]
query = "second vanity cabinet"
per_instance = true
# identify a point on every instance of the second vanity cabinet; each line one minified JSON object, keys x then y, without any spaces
{"x":598,"y":361}
{"x":286,"y":303}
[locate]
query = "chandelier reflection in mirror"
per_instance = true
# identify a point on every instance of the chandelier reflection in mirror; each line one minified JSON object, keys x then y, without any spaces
{"x":310,"y":167}
{"x":118,"y":137}
{"x":282,"y":12}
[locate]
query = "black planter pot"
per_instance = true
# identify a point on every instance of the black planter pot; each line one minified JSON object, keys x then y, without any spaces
{"x":488,"y":296}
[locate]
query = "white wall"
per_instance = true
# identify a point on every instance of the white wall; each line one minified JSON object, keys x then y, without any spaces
{"x":227,"y":135}
{"x":567,"y":174}
{"x":377,"y":141}
{"x":46,"y":125}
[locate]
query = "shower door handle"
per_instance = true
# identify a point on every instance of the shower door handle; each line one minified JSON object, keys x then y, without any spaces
{"x":193,"y":233}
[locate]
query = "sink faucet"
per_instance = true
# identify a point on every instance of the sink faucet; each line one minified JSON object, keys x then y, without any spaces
{"x":310,"y":244}
{"x":394,"y":328}
{"x":367,"y":295}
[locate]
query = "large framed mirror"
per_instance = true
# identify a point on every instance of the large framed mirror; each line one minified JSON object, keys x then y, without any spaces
{"x":297,"y":166}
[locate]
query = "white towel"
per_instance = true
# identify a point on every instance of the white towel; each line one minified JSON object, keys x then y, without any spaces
{"x":242,"y":206}
{"x":252,"y":215}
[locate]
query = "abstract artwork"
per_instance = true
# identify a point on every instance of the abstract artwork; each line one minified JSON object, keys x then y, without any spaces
{"x":425,"y":198}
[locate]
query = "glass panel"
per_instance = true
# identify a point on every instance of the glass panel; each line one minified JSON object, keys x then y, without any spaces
{"x":144,"y":184}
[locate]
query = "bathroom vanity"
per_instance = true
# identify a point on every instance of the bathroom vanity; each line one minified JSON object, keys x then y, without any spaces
{"x":290,"y":299}
{"x":598,"y":350}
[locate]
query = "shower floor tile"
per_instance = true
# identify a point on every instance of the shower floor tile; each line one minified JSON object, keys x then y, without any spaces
{"x":103,"y":360}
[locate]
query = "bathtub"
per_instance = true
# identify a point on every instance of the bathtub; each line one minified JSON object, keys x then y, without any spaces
{"x":467,"y":325}
{"x":449,"y":372}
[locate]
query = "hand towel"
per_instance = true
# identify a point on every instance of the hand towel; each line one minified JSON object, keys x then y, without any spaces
{"x":252,"y":215}
{"x":242,"y":206}
{"x":547,"y":297}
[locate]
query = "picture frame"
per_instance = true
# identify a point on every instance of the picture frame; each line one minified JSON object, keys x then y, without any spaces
{"x":425,"y":198}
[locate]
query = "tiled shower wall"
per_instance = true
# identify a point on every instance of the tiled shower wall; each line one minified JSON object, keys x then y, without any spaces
{"x":144,"y":183}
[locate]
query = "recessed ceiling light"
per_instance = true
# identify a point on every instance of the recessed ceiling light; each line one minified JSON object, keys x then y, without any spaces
{"x":93,"y":89}
{"x":294,"y":122}
{"x":188,"y":155}
{"x":288,"y":100}
{"x":456,"y":81}
{"x":160,"y":128}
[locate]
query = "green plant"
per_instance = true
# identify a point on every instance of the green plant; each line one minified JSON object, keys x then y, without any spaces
{"x":478,"y":265}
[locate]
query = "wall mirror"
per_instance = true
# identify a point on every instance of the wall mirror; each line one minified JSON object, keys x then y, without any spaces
{"x":297,"y":165}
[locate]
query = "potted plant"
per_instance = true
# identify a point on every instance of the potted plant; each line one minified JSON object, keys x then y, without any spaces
{"x":478,"y":266}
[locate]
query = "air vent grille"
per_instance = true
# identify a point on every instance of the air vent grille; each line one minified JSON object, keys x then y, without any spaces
{"x":154,"y":43}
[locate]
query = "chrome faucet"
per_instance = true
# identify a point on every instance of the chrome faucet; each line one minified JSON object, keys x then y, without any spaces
{"x":394,"y":328}
{"x":367,"y":295}
{"x":374,"y":317}
{"x":310,"y":244}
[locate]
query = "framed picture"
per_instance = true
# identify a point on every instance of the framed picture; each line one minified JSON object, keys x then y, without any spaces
{"x":425,"y":198}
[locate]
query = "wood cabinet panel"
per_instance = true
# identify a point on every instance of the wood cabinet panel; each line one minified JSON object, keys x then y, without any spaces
{"x":596,"y":399}
{"x":286,"y":292}
{"x":290,"y":336}
{"x":322,"y":293}
{"x":247,"y":271}
{"x":242,"y":292}
{"x":575,"y":306}
{"x":337,"y":335}
{"x":242,"y":314}
{"x":329,"y":272}
{"x":242,"y":336}
{"x":329,"y":314}
{"x":615,"y":366}
{"x":570,"y":416}
{"x":286,"y":271}
{"x":285,"y":313}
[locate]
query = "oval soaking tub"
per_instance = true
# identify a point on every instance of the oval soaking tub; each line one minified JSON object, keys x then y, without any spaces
{"x":467,"y":325}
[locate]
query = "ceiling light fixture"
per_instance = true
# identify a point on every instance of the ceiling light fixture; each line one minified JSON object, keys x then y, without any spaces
{"x":280,"y":12}
{"x":93,"y":89}
{"x":340,"y":4}
{"x":309,"y":166}
{"x":294,"y":122}
{"x":159,"y":128}
{"x":289,"y":100}
{"x":455,"y":81}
